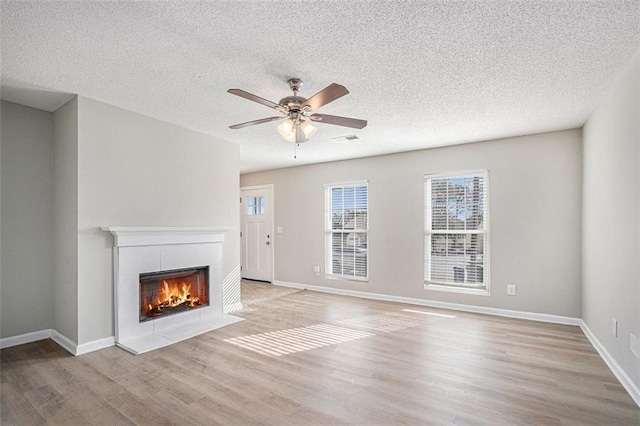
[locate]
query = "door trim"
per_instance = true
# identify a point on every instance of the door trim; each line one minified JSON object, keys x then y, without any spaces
{"x":270,"y":188}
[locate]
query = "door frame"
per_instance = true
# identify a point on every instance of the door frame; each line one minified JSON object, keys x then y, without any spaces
{"x":269,"y":187}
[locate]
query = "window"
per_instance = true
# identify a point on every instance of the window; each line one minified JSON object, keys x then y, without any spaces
{"x":255,"y":206}
{"x":347,"y":230}
{"x":456,"y":232}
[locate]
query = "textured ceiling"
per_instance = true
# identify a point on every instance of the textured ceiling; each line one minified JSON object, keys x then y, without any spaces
{"x":422,"y":73}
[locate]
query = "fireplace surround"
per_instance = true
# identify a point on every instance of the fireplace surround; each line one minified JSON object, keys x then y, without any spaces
{"x":167,"y":268}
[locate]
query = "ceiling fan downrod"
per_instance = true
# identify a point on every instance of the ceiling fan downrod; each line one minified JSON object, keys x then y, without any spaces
{"x":295,"y":84}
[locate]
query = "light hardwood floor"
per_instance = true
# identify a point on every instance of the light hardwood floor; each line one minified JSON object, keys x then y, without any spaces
{"x":312,"y":358}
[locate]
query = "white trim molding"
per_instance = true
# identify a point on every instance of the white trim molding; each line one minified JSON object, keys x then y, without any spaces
{"x":69,"y":345}
{"x":615,"y":368}
{"x":21,"y":339}
{"x":95,"y":345}
{"x":84,"y":348}
{"x":250,"y":187}
{"x":136,"y":236}
{"x":65,"y":342}
{"x":533,"y":316}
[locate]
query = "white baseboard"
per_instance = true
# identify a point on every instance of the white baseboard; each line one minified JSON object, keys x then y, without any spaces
{"x":95,"y":345}
{"x":69,"y":345}
{"x":615,"y":368}
{"x":556,"y":319}
{"x":66,"y":343}
{"x":21,"y":339}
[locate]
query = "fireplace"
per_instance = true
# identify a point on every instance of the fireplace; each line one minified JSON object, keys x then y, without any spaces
{"x":190,"y":262}
{"x":172,"y":292}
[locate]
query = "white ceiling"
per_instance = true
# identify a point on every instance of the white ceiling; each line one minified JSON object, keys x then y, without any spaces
{"x":423,"y":73}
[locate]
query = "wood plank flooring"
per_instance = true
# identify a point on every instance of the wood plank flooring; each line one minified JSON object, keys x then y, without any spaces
{"x":409,"y":365}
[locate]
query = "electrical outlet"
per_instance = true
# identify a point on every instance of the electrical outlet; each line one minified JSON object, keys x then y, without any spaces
{"x":614,"y":327}
{"x":511,"y":289}
{"x":633,"y":344}
{"x":316,"y":270}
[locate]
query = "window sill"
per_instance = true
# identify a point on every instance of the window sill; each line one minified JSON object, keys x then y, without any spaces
{"x":451,"y":289}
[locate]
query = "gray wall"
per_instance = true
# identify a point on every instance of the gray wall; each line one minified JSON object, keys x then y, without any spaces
{"x":88,"y":165}
{"x":137,"y":171}
{"x":65,"y":218}
{"x":27,"y":220}
{"x":611,"y":217}
{"x":535,"y":204}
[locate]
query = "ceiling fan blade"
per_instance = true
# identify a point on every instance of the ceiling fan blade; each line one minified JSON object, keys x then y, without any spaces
{"x":254,"y":98}
{"x":326,"y":95}
{"x":254,"y":122}
{"x":338,"y":121}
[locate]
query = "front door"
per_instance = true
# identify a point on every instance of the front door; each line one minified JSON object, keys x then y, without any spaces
{"x":256,"y":239}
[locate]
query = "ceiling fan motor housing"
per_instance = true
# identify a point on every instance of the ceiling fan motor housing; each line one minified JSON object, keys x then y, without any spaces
{"x":292,"y":102}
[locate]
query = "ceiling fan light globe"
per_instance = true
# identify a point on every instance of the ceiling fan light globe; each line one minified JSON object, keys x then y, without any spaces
{"x":287,"y":126}
{"x":308,"y":129}
{"x":287,"y":130}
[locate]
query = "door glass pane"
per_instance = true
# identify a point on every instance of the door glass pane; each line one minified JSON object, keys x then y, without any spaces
{"x":260,"y":205}
{"x":251,"y":201}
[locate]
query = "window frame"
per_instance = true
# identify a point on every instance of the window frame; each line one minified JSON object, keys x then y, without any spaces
{"x":429,"y":285}
{"x":329,"y":231}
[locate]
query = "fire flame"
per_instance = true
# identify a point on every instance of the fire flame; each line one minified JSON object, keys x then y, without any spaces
{"x":173,"y":295}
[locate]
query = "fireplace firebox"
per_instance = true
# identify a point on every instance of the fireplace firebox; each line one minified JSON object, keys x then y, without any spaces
{"x":171,"y":292}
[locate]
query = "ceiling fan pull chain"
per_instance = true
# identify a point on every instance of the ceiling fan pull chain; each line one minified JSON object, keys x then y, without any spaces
{"x":295,"y":151}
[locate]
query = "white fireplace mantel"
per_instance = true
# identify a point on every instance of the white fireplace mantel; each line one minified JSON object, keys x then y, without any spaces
{"x":138,"y":250}
{"x":144,"y":236}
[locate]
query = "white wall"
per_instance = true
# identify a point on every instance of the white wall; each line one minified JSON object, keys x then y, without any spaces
{"x":137,"y":171}
{"x":611,"y":217}
{"x":27,"y":222}
{"x":535,"y":202}
{"x":65,"y":219}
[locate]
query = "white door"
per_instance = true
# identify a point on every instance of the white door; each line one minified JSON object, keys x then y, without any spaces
{"x":256,"y":209}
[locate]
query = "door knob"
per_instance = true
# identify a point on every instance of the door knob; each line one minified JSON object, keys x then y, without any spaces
{"x":268,"y":243}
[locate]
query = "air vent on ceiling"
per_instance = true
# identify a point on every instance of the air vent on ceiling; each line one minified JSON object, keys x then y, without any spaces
{"x":345,"y":138}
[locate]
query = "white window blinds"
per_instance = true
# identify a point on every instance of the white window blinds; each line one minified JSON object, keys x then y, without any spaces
{"x":346,"y":230}
{"x":456,"y":231}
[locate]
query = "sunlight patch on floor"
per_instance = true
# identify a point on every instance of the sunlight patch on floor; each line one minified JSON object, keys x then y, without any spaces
{"x":428,"y":313}
{"x":284,"y":342}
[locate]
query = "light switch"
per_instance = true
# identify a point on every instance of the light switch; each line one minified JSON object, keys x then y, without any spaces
{"x":279,"y":230}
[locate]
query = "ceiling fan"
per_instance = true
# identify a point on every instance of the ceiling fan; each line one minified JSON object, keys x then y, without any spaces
{"x":298,"y":111}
